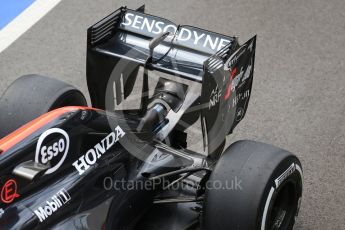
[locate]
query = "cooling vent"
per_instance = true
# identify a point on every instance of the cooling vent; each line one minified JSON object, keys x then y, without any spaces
{"x":105,"y":28}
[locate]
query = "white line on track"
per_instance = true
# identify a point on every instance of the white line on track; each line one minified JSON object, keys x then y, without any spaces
{"x":24,"y":21}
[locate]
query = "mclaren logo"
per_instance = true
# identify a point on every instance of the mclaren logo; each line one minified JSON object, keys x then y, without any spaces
{"x":92,"y":155}
{"x":52,"y":147}
{"x":233,"y":59}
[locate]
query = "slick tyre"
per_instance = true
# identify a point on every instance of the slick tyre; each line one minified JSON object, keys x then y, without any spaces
{"x":259,"y":186}
{"x":30,"y":96}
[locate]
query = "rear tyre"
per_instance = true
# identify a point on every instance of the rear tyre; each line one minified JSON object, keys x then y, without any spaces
{"x":30,"y":96}
{"x":253,"y":186}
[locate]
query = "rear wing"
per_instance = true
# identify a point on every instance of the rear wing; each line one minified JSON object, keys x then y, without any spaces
{"x":131,"y":30}
{"x":119,"y":44}
{"x":226,"y":89}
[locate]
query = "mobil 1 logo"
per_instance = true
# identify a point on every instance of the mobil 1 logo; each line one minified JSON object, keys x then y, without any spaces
{"x":53,"y":204}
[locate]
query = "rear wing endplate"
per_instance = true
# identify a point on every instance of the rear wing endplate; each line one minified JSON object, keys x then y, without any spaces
{"x":226,"y":90}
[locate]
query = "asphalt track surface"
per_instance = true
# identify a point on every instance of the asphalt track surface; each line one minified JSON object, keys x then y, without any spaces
{"x":298,"y":96}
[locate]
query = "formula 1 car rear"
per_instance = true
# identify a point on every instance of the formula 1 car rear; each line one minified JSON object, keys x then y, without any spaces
{"x":149,"y":153}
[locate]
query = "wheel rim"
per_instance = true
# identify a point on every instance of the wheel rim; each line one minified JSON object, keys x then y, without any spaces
{"x":283,"y":209}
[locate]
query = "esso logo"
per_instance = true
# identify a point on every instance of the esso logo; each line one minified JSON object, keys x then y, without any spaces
{"x":52,"y":147}
{"x":48,"y":152}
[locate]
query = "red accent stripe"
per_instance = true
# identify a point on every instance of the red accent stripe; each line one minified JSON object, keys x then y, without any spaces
{"x":23,"y":132}
{"x":232,"y":75}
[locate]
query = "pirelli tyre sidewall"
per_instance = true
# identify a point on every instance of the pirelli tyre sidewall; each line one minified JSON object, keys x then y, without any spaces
{"x":282,"y":198}
{"x":270,"y":190}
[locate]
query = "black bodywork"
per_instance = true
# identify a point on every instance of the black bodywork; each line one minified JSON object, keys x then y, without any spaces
{"x":117,"y":47}
{"x":93,"y":203}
